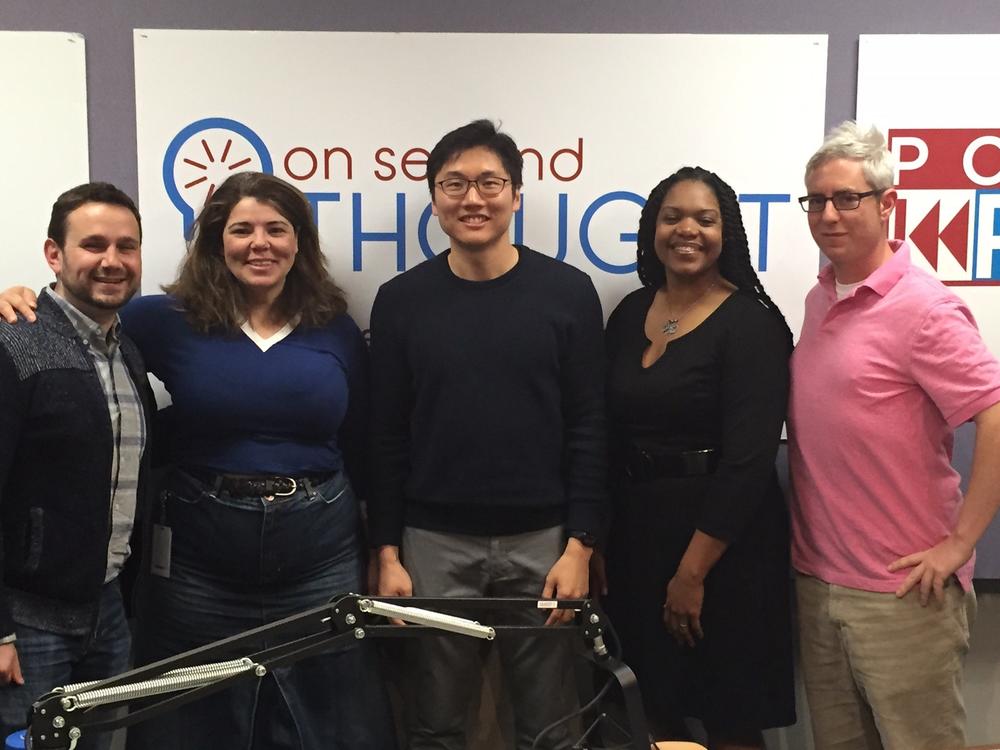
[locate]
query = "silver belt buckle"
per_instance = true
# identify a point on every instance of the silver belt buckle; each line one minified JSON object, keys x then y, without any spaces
{"x":295,"y":486}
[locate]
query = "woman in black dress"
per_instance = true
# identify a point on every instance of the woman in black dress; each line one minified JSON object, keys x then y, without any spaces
{"x":697,"y":560}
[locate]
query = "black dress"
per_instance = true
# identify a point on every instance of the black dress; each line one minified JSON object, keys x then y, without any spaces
{"x":724,"y":385}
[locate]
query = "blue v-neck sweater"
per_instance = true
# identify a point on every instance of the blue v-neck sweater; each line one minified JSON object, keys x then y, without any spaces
{"x":297,"y":409}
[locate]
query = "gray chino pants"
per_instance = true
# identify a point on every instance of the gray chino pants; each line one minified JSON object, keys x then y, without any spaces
{"x":445,"y":672}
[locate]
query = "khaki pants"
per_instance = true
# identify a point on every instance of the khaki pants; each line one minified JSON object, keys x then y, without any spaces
{"x":883,"y":673}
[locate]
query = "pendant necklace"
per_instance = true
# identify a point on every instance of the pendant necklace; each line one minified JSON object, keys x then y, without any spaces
{"x":670,"y":327}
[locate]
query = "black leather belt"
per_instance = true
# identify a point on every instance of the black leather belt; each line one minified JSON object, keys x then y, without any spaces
{"x":253,"y":484}
{"x":644,"y":465}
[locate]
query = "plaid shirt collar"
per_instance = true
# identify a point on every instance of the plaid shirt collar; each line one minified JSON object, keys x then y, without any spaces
{"x":87,"y":328}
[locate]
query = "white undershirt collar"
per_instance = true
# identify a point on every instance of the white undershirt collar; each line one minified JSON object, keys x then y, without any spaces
{"x":846,"y":290}
{"x":266,"y":343}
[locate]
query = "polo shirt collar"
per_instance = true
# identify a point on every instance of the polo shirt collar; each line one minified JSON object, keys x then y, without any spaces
{"x":883,"y":278}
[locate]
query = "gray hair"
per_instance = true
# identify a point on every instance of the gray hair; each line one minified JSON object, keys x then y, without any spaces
{"x":850,"y":141}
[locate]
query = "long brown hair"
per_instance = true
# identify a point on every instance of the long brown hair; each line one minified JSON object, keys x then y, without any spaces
{"x":211,"y":296}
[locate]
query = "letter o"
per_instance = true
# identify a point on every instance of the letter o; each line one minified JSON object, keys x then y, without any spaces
{"x":970,"y":155}
{"x":312,"y":158}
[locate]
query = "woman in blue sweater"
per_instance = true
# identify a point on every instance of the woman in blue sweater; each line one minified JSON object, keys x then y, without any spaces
{"x":266,"y":372}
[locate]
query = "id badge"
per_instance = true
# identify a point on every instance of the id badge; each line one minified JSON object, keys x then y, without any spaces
{"x":159,"y":564}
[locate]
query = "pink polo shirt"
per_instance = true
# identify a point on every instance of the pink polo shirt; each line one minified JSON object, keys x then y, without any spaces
{"x":879,"y":382}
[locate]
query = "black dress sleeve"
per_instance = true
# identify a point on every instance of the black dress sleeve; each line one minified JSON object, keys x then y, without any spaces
{"x":754,"y":392}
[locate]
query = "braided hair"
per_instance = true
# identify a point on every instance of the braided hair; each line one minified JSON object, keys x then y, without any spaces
{"x":734,"y":260}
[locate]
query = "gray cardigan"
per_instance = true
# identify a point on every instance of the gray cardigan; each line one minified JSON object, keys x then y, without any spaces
{"x":55,"y":473}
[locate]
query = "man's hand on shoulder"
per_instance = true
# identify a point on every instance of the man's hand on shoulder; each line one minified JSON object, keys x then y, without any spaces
{"x":932,"y":568}
{"x":10,"y":667}
{"x":18,"y":299}
{"x":569,"y":578}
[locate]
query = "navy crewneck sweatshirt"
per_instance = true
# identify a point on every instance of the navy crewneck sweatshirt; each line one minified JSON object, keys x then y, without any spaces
{"x":488,"y":401}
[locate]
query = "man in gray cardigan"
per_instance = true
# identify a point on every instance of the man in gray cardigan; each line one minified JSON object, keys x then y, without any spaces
{"x":74,"y":404}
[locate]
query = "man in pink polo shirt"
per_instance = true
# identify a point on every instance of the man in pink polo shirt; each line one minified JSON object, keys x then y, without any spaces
{"x":889,"y":363}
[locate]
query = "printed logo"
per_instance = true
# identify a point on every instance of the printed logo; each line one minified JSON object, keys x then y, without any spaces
{"x":949,"y":201}
{"x":203,"y":155}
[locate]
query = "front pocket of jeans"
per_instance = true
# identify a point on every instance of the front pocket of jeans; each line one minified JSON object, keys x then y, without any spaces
{"x":321,"y":530}
{"x":336,"y":496}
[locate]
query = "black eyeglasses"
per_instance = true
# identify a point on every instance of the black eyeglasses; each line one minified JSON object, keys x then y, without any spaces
{"x":488,"y":187}
{"x":814,"y":204}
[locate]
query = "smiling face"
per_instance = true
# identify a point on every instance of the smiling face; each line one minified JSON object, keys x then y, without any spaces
{"x":99,"y":265}
{"x":854,"y":240}
{"x":259,"y":247}
{"x":688,"y":239}
{"x":473,"y":222}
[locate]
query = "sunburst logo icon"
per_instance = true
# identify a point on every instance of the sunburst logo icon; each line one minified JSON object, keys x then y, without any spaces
{"x":209,"y":159}
{"x":202,"y":155}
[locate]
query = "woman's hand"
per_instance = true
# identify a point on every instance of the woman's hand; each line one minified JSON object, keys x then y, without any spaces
{"x":686,"y":590}
{"x":18,"y":299}
{"x":682,"y":609}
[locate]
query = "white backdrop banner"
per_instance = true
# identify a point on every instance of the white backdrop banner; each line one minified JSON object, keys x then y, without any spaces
{"x":43,"y":142}
{"x":350,"y":117}
{"x":935,"y":99}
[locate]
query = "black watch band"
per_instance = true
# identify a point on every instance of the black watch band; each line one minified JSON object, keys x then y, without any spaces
{"x":585,"y":538}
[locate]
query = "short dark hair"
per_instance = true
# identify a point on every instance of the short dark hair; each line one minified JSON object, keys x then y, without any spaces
{"x":477,"y":133}
{"x":213,"y":298}
{"x":734,"y":261}
{"x":89,"y":192}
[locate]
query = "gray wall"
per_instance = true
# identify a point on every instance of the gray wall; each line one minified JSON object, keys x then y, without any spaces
{"x":107,"y":26}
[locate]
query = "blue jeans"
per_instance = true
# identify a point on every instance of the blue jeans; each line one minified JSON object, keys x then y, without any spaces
{"x":49,"y":660}
{"x":238,"y":563}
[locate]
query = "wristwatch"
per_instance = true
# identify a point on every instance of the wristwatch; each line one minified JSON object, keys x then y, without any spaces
{"x":585,"y":538}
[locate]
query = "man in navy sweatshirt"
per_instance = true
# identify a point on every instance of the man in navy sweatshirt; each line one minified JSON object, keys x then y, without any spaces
{"x":488,"y":438}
